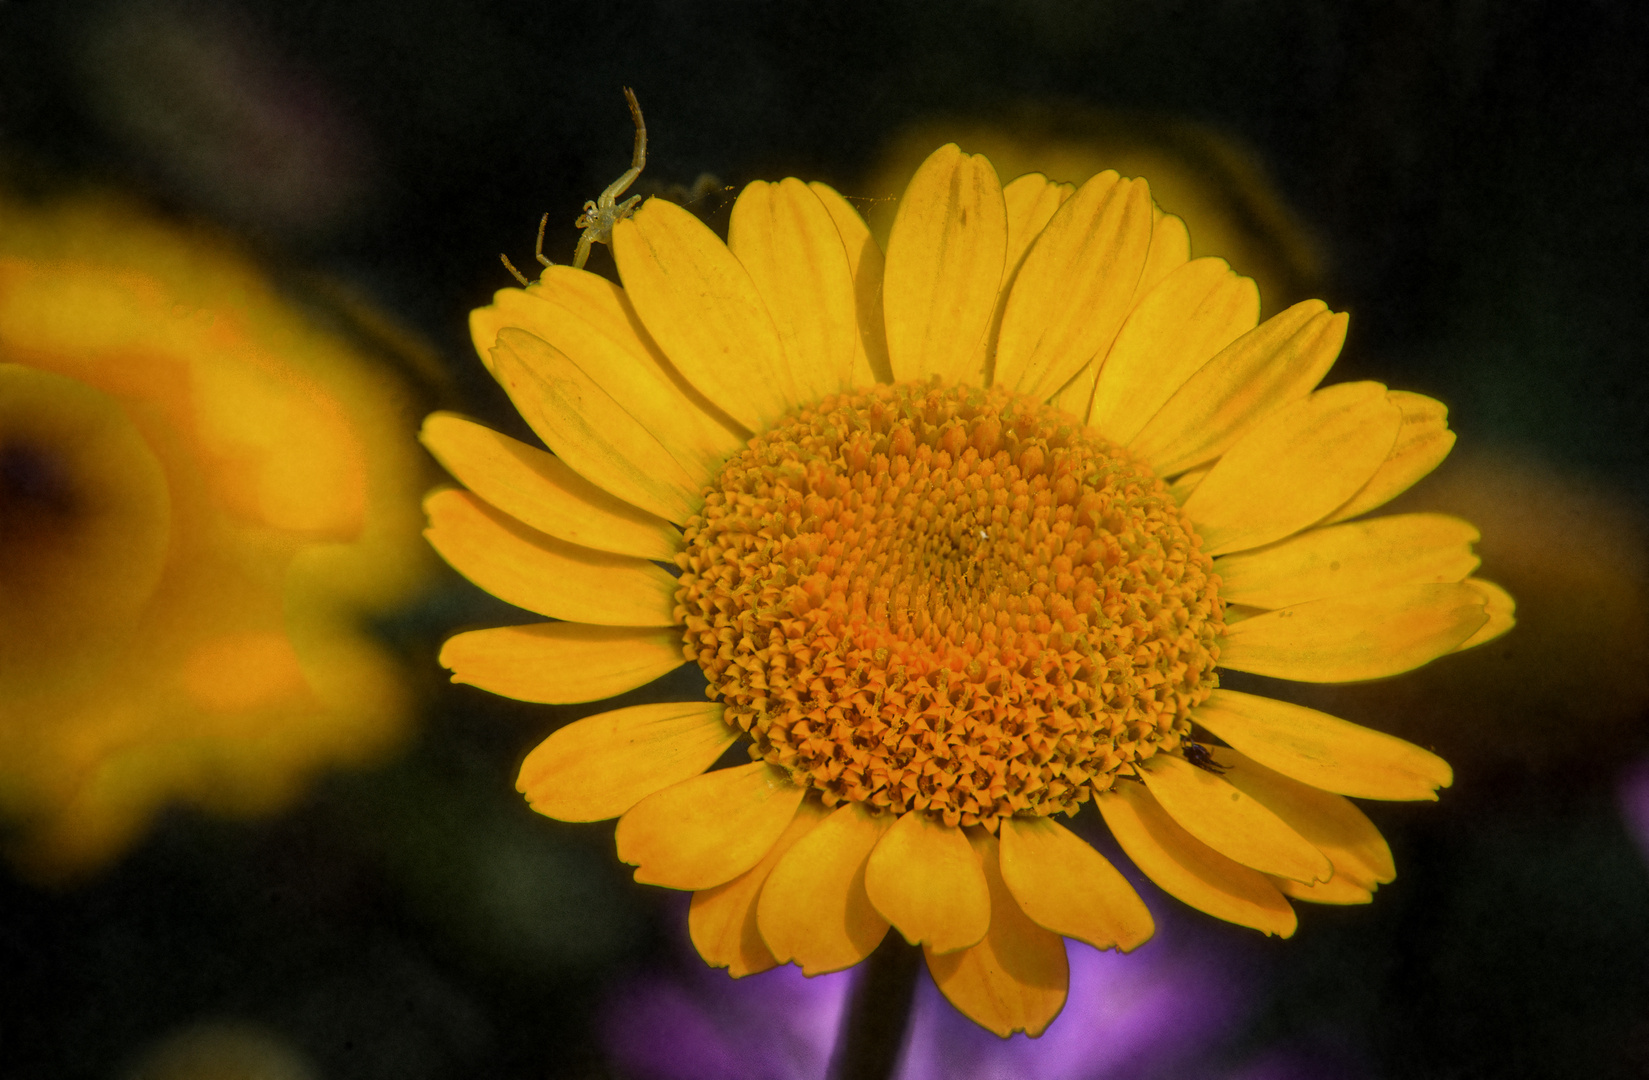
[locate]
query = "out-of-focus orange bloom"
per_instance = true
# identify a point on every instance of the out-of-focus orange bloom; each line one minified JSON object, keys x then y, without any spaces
{"x":202,"y":496}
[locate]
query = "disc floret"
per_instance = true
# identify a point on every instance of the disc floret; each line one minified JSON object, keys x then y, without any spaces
{"x":948,"y":599}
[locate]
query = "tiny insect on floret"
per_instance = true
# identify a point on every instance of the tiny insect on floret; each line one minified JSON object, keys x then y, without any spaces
{"x":605,"y":211}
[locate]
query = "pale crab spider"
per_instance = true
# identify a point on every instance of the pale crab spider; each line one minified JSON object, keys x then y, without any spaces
{"x":601,"y":215}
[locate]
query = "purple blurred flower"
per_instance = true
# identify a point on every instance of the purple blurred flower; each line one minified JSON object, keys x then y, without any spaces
{"x":1146,"y":1014}
{"x":1633,"y":792}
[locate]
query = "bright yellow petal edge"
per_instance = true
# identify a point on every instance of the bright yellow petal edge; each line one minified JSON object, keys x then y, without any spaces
{"x":865,"y":564}
{"x":203,"y":495}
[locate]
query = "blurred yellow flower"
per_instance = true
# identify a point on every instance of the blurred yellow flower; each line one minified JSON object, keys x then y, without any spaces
{"x":961,"y":532}
{"x":202,"y":496}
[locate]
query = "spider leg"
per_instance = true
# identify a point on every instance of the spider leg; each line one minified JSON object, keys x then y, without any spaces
{"x":638,"y":159}
{"x":583,"y":253}
{"x":605,"y":211}
{"x":538,"y":249}
{"x":519,"y":276}
{"x":616,"y":188}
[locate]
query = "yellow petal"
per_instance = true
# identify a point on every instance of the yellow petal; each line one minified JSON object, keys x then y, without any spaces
{"x":539,"y":490}
{"x":1363,"y":636}
{"x":590,"y":320}
{"x":593,"y":321}
{"x":710,"y":829}
{"x":1304,"y":460}
{"x":1030,"y":201}
{"x":561,"y":663}
{"x":598,"y":767}
{"x":924,"y":878}
{"x":1329,"y":822}
{"x":1063,"y":884}
{"x":1278,"y":361}
{"x":1077,"y":396}
{"x":1233,"y":824}
{"x":1404,"y":549}
{"x":1187,"y":868}
{"x":701,"y":307}
{"x":1322,"y":750}
{"x":722,"y":920}
{"x":785,"y":238}
{"x":1170,"y":249}
{"x":814,"y":909}
{"x":1336,"y":890}
{"x":484,"y":324}
{"x":542,"y":574}
{"x":944,"y":267}
{"x":1196,"y":311}
{"x":1422,"y":444}
{"x":1502,"y":611}
{"x":864,"y":259}
{"x":589,"y":430}
{"x":1075,"y":286}
{"x":1016,"y":978}
{"x":1186,"y":482}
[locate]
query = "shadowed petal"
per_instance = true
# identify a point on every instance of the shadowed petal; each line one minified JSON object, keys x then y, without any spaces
{"x":1030,"y":201}
{"x":539,"y":490}
{"x":944,"y":267}
{"x":865,"y":260}
{"x":785,"y":238}
{"x":1187,"y":868}
{"x":1287,"y":473}
{"x":814,"y":909}
{"x":590,"y":431}
{"x":924,"y":878}
{"x":1502,"y":611}
{"x":1363,"y":636}
{"x":1422,"y":443}
{"x":1017,"y":977}
{"x":701,"y":307}
{"x":722,"y":920}
{"x":1322,"y":750}
{"x":598,"y":767}
{"x":1170,"y":248}
{"x":1330,"y":822}
{"x":1075,"y":286}
{"x":561,"y":663}
{"x":1063,"y":884}
{"x":543,"y":574}
{"x":1360,"y":556}
{"x":591,"y":321}
{"x":1192,"y":314}
{"x":1220,"y":815}
{"x":1278,"y":361}
{"x":710,"y":829}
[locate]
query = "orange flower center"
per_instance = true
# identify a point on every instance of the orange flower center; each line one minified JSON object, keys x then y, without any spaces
{"x":927,"y":597}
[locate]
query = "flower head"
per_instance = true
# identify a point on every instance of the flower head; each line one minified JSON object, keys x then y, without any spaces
{"x":958,"y":537}
{"x":201,"y":495}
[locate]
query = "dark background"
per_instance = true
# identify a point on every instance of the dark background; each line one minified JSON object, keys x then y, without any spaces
{"x":1473,"y":174}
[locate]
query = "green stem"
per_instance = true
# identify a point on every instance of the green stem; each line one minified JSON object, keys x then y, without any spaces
{"x":878,"y":1011}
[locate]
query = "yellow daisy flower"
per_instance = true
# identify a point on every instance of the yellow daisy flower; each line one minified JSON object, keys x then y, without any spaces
{"x":958,"y":535}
